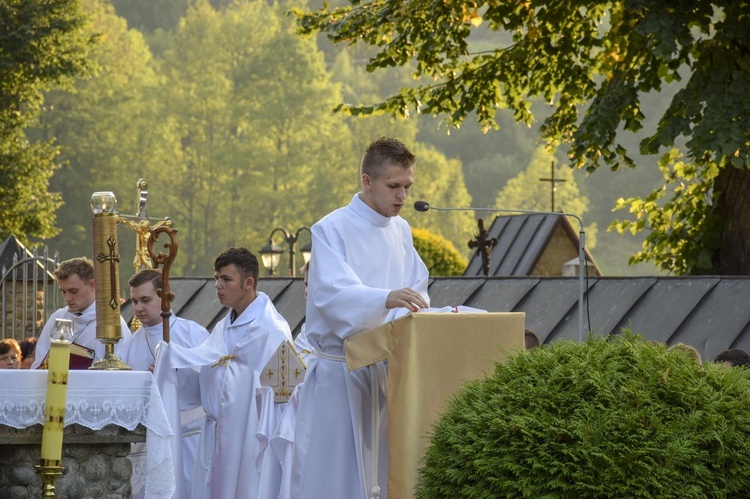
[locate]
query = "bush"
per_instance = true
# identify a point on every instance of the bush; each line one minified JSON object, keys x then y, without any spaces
{"x":439,"y":254}
{"x":618,"y":418}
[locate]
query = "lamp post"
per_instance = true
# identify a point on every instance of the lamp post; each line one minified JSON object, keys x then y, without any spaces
{"x":271,"y":253}
{"x":107,"y":278}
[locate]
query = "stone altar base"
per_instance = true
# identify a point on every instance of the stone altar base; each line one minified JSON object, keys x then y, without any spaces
{"x":96,"y":462}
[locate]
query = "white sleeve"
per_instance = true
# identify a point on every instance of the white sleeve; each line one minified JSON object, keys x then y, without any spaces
{"x":336,"y":292}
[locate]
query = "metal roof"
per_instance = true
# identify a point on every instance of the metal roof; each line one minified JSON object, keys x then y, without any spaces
{"x":710,"y":313}
{"x":521,"y":242}
{"x":14,"y":253}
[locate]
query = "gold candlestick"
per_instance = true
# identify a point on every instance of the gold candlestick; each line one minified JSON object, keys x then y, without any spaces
{"x":50,"y":466}
{"x":107,"y":278}
{"x":49,"y":474}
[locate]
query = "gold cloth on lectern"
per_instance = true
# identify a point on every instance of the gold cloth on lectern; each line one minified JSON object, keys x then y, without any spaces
{"x":430,"y":357}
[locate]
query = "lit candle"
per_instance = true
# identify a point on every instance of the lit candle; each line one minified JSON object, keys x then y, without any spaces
{"x":57,"y":391}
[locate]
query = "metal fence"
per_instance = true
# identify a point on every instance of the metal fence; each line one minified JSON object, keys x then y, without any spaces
{"x":29,"y":294}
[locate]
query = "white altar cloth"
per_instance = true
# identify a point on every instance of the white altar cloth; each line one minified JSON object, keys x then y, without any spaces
{"x":95,"y":400}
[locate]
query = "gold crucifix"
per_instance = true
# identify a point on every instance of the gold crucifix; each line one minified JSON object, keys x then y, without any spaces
{"x":142,"y":226}
{"x":146,"y":256}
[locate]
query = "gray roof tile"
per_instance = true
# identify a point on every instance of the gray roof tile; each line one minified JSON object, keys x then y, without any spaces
{"x":709,"y":313}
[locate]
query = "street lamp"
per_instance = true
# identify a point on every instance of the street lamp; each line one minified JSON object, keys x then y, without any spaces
{"x":271,"y":253}
{"x":271,"y":256}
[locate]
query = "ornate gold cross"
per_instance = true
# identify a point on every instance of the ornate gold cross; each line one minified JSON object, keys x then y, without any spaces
{"x":143,"y":227}
{"x":146,"y":256}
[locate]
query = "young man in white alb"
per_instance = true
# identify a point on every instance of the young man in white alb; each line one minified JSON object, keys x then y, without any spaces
{"x":364,"y":272}
{"x":139,"y":350}
{"x":230,"y":363}
{"x":75,"y":278}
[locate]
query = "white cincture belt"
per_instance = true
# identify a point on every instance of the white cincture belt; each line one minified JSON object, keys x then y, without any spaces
{"x":190,"y":416}
{"x":378,"y":382}
{"x":192,"y":422}
{"x":328,"y":356}
{"x":206,"y":445}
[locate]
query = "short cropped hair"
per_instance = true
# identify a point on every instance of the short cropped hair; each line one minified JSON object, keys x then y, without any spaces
{"x":734,"y":356}
{"x":243,"y":259}
{"x":27,"y":346}
{"x":145,"y":276}
{"x":690,"y":350}
{"x":8,"y":345}
{"x":82,"y":267}
{"x":384,"y":152}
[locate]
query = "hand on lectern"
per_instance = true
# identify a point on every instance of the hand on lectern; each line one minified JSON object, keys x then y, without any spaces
{"x":405,"y":298}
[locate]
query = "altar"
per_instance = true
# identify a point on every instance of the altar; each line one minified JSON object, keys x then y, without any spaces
{"x":103,"y":408}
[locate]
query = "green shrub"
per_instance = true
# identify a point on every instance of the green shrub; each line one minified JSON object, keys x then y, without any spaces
{"x":439,"y":254}
{"x":617,"y":418}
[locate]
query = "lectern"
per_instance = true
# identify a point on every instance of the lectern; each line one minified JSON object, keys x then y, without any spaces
{"x":430,"y":357}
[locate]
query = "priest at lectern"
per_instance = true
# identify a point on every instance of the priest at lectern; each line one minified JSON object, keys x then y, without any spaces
{"x":364,"y":272}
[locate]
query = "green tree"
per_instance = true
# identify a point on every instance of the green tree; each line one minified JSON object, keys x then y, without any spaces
{"x":42,"y":45}
{"x":437,"y":178}
{"x":489,"y":159}
{"x":150,"y":15}
{"x":255,"y":142}
{"x":604,"y":56}
{"x":197,"y":92}
{"x":440,"y":181}
{"x":440,"y":256}
{"x":525,"y":191}
{"x":105,"y":127}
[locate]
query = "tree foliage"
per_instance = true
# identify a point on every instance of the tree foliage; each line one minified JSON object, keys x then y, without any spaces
{"x":230,"y":120}
{"x":591,"y":62}
{"x":42,"y":45}
{"x":441,"y":182}
{"x":525,"y":191}
{"x":685,"y":247}
{"x":440,"y":256}
{"x":618,"y":417}
{"x":255,"y":143}
{"x":105,"y":127}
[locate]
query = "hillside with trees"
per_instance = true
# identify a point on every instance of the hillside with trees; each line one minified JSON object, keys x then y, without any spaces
{"x":229,"y":114}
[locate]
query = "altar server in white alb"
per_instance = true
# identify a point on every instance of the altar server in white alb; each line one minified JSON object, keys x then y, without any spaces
{"x":230,"y":363}
{"x":138,"y":351}
{"x":364,"y":272}
{"x":75,"y":278}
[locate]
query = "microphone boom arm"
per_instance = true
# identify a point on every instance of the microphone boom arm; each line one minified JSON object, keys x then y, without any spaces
{"x":423,"y":206}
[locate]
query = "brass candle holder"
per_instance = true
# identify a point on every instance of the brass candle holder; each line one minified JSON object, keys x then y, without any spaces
{"x":107,"y":278}
{"x":49,"y":473}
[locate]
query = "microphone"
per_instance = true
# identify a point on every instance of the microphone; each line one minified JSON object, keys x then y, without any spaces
{"x":423,"y":206}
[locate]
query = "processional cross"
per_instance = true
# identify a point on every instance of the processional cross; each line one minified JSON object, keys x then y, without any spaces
{"x":140,"y":223}
{"x":145,"y":256}
{"x":484,"y":244}
{"x":553,"y":181}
